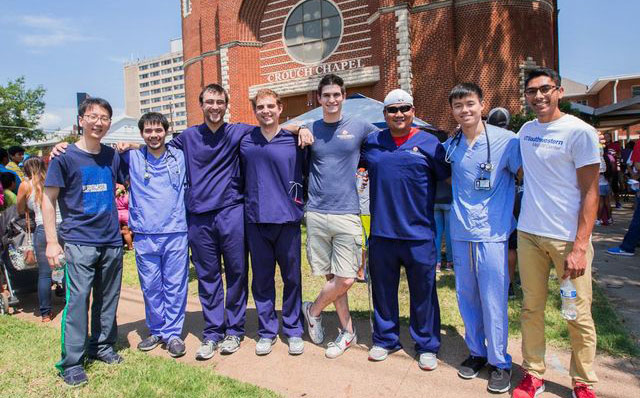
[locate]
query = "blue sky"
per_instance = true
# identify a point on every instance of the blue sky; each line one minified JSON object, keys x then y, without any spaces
{"x":72,"y":46}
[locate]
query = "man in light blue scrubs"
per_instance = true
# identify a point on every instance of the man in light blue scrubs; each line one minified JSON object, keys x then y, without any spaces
{"x":157,"y":216}
{"x":484,"y":160}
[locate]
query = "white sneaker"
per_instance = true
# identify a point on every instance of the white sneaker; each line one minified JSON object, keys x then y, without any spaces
{"x":207,"y":350}
{"x":230,"y":344}
{"x":340,"y":345}
{"x":296,"y":345}
{"x":377,"y":353}
{"x":264,"y":345}
{"x":314,"y":324}
{"x":428,"y":361}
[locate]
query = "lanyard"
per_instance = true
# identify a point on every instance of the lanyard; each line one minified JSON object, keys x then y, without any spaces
{"x":455,"y":142}
{"x":168,"y":154}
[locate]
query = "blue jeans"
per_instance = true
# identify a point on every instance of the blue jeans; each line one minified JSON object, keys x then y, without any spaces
{"x":441,"y":214}
{"x":632,"y":237}
{"x":44,"y":271}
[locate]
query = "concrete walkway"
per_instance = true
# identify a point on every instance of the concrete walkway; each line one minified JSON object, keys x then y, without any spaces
{"x":312,"y":375}
{"x":619,"y":276}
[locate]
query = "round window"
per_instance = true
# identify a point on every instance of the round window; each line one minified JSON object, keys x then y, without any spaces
{"x":312,"y":31}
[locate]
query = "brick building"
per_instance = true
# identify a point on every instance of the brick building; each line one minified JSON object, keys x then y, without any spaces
{"x":613,"y":101}
{"x":422,"y":46}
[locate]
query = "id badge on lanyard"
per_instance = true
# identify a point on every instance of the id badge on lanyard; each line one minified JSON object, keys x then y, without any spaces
{"x":482,"y":184}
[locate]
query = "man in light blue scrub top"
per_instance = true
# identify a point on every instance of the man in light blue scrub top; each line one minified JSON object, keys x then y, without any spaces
{"x":158,"y":218}
{"x":484,"y":160}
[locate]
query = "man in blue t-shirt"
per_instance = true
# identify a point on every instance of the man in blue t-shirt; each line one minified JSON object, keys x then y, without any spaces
{"x":334,"y":229}
{"x":404,"y":165}
{"x":158,"y":218}
{"x":484,"y":162}
{"x":83,"y":180}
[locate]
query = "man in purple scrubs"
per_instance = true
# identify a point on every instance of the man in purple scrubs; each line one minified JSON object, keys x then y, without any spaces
{"x":214,"y":202}
{"x":272,"y":167}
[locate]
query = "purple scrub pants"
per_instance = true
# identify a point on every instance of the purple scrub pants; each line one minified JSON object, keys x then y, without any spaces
{"x":163,"y":269}
{"x":269,"y":243}
{"x":419,"y":260}
{"x":212,"y":235}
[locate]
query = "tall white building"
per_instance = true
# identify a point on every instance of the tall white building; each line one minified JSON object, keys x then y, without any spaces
{"x":157,"y":85}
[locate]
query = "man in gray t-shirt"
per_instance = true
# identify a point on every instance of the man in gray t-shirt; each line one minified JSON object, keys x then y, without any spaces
{"x":334,"y":229}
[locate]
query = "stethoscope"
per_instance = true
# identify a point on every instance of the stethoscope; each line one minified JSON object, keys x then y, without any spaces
{"x":168,"y":154}
{"x":484,"y":166}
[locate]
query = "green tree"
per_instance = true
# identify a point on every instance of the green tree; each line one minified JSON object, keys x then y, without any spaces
{"x":20,"y":112}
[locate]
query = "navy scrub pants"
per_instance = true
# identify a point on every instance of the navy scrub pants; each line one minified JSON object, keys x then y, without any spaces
{"x":269,"y":243}
{"x":212,"y":235}
{"x":386,"y":256}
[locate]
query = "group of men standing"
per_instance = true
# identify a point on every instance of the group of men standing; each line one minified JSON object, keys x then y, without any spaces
{"x":219,"y":185}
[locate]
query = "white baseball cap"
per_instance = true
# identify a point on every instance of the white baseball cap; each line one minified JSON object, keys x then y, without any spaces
{"x":398,"y":96}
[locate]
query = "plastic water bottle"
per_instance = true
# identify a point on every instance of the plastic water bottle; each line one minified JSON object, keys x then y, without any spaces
{"x":57,"y":275}
{"x":361,"y":175}
{"x":568,"y":295}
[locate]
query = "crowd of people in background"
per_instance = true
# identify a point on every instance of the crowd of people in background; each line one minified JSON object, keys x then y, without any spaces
{"x":226,"y":190}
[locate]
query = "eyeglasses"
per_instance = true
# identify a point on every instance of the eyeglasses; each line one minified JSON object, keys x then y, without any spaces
{"x":401,"y":108}
{"x":94,"y":118}
{"x":544,"y":90}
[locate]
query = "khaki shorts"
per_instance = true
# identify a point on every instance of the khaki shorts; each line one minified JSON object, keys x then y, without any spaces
{"x":334,"y":244}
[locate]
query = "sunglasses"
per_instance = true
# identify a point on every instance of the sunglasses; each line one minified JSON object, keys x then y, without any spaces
{"x":401,"y":108}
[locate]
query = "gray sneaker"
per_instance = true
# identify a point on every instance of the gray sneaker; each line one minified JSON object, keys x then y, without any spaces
{"x":264,"y":345}
{"x":428,"y":361}
{"x":314,"y":324}
{"x":207,"y":350}
{"x":377,"y":353}
{"x":296,"y":345}
{"x":230,"y":344}
{"x":176,"y":347}
{"x":341,"y":344}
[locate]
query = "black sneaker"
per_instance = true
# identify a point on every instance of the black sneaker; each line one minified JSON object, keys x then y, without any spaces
{"x":471,"y":367}
{"x":149,"y":343}
{"x":74,"y":377}
{"x":499,"y":380}
{"x":110,"y":358}
{"x":176,"y":347}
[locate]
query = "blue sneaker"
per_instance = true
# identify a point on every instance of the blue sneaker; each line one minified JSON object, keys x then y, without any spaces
{"x":74,"y":377}
{"x":617,"y":251}
{"x":110,"y":358}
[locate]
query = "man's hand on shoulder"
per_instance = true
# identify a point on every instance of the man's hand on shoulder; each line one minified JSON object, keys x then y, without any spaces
{"x":59,"y":149}
{"x":305,"y":137}
{"x":123,"y":146}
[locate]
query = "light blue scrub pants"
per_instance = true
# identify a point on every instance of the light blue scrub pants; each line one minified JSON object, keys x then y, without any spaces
{"x":163,"y":269}
{"x":482,"y":287}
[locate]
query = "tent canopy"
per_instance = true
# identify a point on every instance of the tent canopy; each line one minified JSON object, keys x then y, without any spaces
{"x":362,"y":107}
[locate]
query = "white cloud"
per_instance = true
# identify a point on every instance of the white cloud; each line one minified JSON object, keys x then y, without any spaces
{"x":58,"y":118}
{"x":45,"y":31}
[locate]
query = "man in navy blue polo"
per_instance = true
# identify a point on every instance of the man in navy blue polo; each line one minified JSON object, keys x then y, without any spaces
{"x":404,"y":164}
{"x":272,"y":167}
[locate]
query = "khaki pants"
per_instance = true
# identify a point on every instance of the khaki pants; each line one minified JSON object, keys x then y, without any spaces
{"x":535,"y":256}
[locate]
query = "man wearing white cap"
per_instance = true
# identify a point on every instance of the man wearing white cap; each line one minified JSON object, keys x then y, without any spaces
{"x":404,"y":164}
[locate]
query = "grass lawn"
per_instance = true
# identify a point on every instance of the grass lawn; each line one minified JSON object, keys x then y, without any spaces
{"x":613,"y":338}
{"x":30,"y":350}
